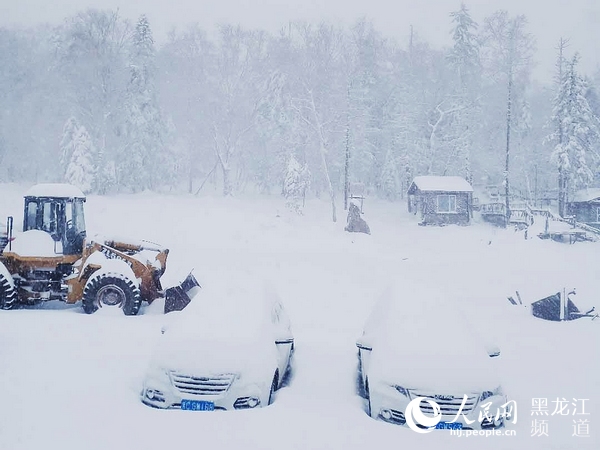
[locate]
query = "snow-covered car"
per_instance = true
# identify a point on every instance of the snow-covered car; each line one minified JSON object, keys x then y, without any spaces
{"x":420,"y":345}
{"x":231,"y":350}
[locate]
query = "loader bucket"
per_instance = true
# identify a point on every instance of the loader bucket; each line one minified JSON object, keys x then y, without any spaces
{"x":178,"y":297}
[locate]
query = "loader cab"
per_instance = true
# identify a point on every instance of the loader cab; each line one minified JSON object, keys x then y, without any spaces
{"x":57,"y":209}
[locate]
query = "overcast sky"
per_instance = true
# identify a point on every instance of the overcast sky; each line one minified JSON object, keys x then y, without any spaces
{"x":578,"y":20}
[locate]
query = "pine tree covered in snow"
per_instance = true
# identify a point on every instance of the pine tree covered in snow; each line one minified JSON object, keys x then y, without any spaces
{"x":295,"y":185}
{"x":464,"y":55}
{"x":465,"y":60}
{"x":389,"y":179}
{"x":576,"y":134}
{"x":68,"y":141}
{"x":143,"y":158}
{"x":81,"y":169}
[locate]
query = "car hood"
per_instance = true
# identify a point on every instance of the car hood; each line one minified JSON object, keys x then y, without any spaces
{"x":192,"y":353}
{"x":437,"y":371}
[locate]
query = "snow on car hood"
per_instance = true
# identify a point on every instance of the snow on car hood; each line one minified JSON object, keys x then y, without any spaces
{"x":222,"y":330}
{"x":191,"y":354}
{"x":426,"y":342}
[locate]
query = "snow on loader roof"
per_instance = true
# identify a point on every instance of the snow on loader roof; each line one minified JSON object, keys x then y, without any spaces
{"x":58,"y":190}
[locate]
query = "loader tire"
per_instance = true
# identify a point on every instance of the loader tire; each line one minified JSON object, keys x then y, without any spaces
{"x":8,"y":296}
{"x":111,"y":289}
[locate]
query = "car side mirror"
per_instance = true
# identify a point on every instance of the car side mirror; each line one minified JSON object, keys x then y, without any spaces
{"x":492,"y":351}
{"x":364,"y":346}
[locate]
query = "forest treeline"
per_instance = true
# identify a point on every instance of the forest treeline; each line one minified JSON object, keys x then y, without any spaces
{"x":96,"y":102}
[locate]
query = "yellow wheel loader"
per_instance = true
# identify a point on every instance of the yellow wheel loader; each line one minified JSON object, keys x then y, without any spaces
{"x":52,"y":260}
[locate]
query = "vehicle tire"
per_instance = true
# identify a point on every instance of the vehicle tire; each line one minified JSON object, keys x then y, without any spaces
{"x":111,"y":289}
{"x":274,"y":385}
{"x":368,"y":397}
{"x":360,"y":385}
{"x":289,"y":371}
{"x":8,"y":296}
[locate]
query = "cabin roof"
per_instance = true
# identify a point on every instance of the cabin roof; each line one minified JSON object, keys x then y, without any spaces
{"x":432,"y":183}
{"x":586,"y":195}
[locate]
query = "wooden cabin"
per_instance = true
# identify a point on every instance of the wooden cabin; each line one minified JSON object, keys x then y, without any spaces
{"x":585,"y":207}
{"x":441,"y":200}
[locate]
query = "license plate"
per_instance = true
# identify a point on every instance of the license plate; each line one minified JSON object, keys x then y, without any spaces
{"x":197,"y":405}
{"x":449,"y":426}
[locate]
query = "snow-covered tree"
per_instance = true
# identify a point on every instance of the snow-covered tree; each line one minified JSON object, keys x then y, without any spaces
{"x":576,"y":134}
{"x":142,"y":163}
{"x":464,"y":55}
{"x":81,"y":170}
{"x":320,"y":95}
{"x":91,"y":51}
{"x":186,"y":67}
{"x":389,"y":179}
{"x":295,"y":185}
{"x":70,"y":135}
{"x":509,"y":51}
{"x":464,"y":58}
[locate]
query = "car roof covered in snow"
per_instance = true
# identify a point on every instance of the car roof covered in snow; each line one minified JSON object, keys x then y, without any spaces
{"x":58,"y":190}
{"x":586,"y":195}
{"x":442,"y":184}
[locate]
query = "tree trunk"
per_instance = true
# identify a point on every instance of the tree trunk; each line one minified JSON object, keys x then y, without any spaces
{"x":508,"y":129}
{"x":323,"y":150}
{"x":190,"y":176}
{"x":347,"y":159}
{"x":561,"y":173}
{"x":347,"y":168}
{"x":223,"y":161}
{"x":227,"y":186}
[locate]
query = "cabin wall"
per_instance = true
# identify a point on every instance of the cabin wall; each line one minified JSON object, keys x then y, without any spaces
{"x":428,"y":206}
{"x":586,"y":212}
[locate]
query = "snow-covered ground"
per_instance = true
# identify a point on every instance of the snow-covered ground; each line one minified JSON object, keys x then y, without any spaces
{"x":72,"y":381}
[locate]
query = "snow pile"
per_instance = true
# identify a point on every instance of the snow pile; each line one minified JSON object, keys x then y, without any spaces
{"x":35,"y":243}
{"x":56,"y":361}
{"x":60,"y":190}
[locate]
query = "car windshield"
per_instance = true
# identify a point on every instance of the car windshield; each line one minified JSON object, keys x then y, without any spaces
{"x":228,"y":314}
{"x":433,"y":323}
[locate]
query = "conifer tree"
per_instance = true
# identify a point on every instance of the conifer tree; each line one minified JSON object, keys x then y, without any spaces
{"x":81,"y":170}
{"x":576,"y":133}
{"x":297,"y":181}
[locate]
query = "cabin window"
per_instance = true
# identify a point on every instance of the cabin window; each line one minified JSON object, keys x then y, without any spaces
{"x":446,"y":203}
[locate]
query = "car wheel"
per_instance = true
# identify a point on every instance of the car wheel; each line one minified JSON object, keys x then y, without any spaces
{"x":274,"y":385}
